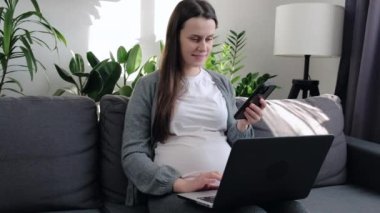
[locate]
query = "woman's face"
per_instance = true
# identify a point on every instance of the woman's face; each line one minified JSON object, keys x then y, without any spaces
{"x":196,"y":40}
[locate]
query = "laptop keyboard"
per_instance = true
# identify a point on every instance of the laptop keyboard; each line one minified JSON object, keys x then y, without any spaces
{"x":209,"y":199}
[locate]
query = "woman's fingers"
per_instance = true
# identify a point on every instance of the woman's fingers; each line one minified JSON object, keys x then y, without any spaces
{"x":212,"y":175}
{"x":210,"y":180}
{"x":253,"y":113}
{"x":202,"y":181}
{"x":263,"y":103}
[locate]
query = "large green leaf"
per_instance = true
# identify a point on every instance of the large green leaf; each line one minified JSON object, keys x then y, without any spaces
{"x":122,"y":55}
{"x":126,"y":91}
{"x":80,"y":74}
{"x":8,"y":31}
{"x":93,"y":85}
{"x":24,"y":17}
{"x":64,"y":75}
{"x":100,"y":65}
{"x":30,"y":53}
{"x":76,"y":64}
{"x":96,"y":80}
{"x":149,"y":67}
{"x":53,"y":31}
{"x":103,"y":80}
{"x":29,"y":61}
{"x":35,"y":5}
{"x":113,"y":70}
{"x":134,"y":59}
{"x":60,"y":36}
{"x":28,"y":36}
{"x":92,"y":59}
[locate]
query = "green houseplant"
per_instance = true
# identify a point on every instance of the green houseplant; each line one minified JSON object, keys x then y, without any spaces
{"x":104,"y":77}
{"x":132,"y":68}
{"x":250,"y":82}
{"x":99,"y":81}
{"x":227,"y":60}
{"x":18,"y":34}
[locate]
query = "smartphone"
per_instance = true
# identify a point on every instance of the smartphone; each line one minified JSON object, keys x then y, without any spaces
{"x":261,"y":92}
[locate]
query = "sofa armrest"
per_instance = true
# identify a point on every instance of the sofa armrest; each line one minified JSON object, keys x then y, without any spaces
{"x":363,"y":163}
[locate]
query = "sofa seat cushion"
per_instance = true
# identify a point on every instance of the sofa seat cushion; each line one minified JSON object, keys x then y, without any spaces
{"x":342,"y":198}
{"x":110,"y":207}
{"x":76,"y":211}
{"x":312,"y":116}
{"x":48,"y":154}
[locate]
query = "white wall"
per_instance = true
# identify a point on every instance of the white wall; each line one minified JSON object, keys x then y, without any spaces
{"x":103,"y":25}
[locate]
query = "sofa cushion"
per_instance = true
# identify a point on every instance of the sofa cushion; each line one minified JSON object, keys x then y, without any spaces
{"x":342,"y":198}
{"x":77,"y":211}
{"x":363,"y":163}
{"x":121,"y":208}
{"x":315,"y":115}
{"x":114,"y":181}
{"x":48,"y":154}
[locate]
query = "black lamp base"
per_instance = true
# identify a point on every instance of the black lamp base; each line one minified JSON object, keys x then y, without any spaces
{"x":304,"y":85}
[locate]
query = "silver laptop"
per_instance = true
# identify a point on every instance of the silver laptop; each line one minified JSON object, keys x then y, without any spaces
{"x":263,"y":170}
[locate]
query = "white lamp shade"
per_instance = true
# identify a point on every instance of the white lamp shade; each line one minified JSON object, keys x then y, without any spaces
{"x":308,"y":29}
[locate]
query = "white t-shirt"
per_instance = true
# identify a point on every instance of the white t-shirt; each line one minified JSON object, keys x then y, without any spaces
{"x":198,"y":142}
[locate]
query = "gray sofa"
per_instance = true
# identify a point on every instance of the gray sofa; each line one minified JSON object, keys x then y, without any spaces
{"x":57,"y":155}
{"x":349,"y":179}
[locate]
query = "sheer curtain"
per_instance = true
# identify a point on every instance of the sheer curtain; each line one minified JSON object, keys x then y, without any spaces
{"x":358,"y":82}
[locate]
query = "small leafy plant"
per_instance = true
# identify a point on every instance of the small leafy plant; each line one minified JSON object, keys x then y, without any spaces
{"x":18,"y":34}
{"x":250,"y":83}
{"x":227,"y":60}
{"x":110,"y":76}
{"x":99,"y":81}
{"x":130,"y":62}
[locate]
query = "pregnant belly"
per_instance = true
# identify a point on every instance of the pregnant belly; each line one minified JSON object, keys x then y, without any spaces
{"x":193,"y":154}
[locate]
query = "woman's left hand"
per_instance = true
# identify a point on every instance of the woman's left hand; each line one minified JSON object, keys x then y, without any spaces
{"x":253,"y":114}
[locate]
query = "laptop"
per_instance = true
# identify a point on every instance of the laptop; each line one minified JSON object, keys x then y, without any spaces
{"x":264,"y":170}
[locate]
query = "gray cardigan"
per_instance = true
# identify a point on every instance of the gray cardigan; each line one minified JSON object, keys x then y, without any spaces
{"x":137,"y":150}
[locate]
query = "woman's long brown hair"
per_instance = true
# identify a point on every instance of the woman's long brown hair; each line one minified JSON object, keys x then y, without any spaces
{"x":171,"y":68}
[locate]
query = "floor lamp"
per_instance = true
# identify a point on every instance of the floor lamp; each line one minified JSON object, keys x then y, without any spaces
{"x":308,"y":29}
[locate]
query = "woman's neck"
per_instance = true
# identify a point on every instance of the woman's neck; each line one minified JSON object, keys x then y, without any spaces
{"x":192,"y":71}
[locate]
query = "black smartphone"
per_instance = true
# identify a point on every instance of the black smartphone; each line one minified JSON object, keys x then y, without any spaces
{"x":261,"y":92}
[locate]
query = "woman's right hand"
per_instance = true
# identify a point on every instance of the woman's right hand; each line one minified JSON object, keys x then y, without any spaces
{"x":202,"y":181}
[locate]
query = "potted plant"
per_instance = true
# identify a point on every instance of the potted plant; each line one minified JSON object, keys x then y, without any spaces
{"x":104,"y":77}
{"x":227,"y":60}
{"x":228,"y":56}
{"x":250,"y":83}
{"x":99,"y":81}
{"x":130,"y":61}
{"x":18,"y":34}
